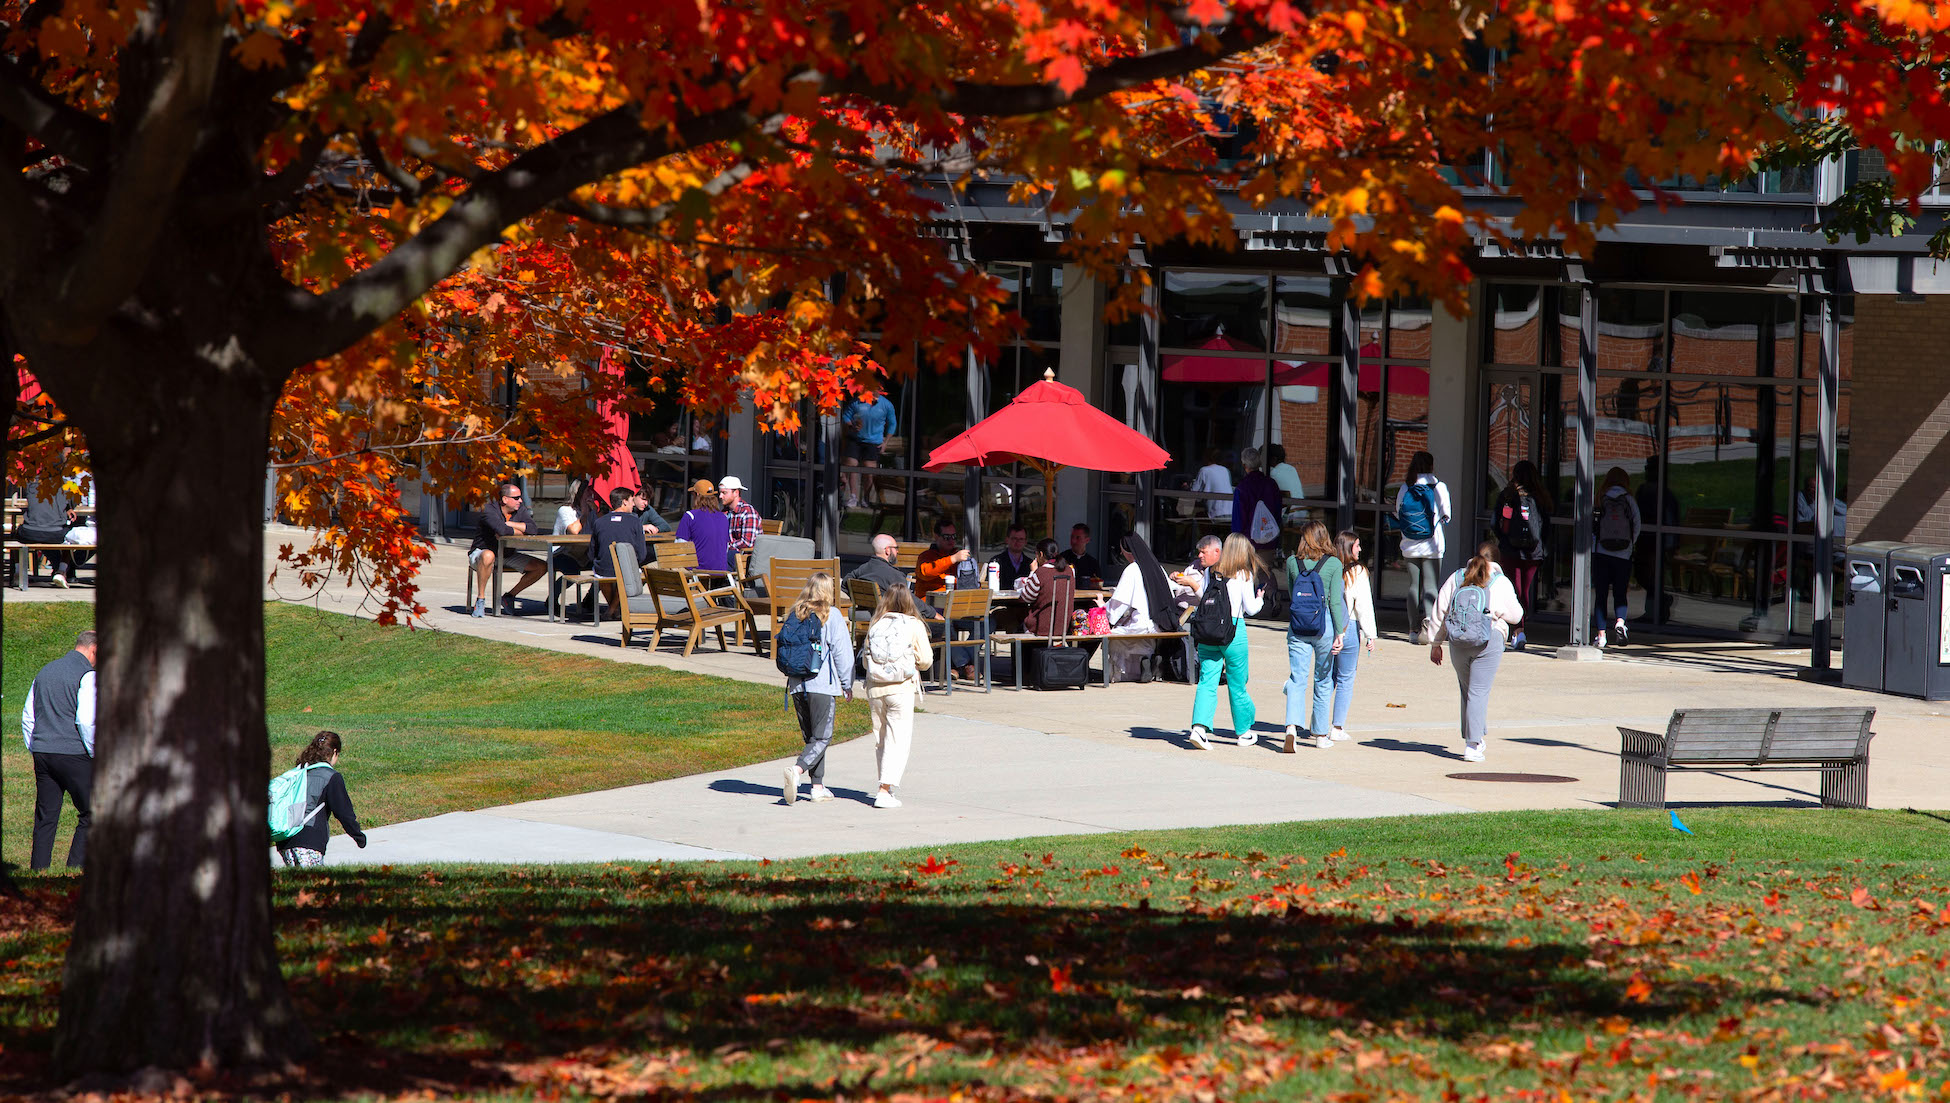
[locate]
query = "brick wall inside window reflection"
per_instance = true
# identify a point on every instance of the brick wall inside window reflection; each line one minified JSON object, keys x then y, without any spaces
{"x":1901,"y":446}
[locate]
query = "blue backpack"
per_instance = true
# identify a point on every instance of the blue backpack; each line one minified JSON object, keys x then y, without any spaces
{"x":798,"y":648}
{"x":1418,"y":512}
{"x":1307,"y":612}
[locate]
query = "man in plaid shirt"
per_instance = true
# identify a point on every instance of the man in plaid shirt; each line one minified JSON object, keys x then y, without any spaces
{"x":743,"y":518}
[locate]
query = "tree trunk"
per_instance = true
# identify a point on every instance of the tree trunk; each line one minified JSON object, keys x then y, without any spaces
{"x":172,"y":962}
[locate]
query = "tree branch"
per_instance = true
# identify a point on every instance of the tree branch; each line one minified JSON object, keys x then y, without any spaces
{"x":643,"y":218}
{"x":76,"y":135}
{"x":112,"y":259}
{"x":597,"y":149}
{"x":409,"y":186}
{"x":37,"y":436}
{"x":421,"y":441}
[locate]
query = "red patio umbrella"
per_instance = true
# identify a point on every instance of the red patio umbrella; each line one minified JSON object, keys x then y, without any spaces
{"x":1049,"y":427}
{"x":1401,"y":379}
{"x":621,"y":469}
{"x":1181,"y":368}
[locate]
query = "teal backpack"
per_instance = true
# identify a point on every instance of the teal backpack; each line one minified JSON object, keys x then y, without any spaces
{"x":290,"y":792}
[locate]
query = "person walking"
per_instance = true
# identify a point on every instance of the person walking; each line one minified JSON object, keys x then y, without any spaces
{"x":1231,"y":591}
{"x":1616,"y":527}
{"x":1360,"y":629}
{"x":323,"y":786}
{"x":1316,"y":621}
{"x":815,"y":649}
{"x":897,"y":650}
{"x":1421,"y":511}
{"x":1473,"y":613}
{"x":58,"y":725}
{"x":1521,"y":521}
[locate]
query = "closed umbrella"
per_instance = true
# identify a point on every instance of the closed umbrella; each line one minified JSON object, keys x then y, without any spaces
{"x":1049,"y":427}
{"x":621,"y":469}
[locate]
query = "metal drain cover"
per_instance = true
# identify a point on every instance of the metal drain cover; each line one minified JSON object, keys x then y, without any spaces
{"x":1516,"y":779}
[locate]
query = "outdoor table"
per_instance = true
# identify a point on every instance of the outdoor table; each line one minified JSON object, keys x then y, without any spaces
{"x":546,"y":543}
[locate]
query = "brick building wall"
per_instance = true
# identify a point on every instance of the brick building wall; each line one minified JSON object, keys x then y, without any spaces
{"x":1900,"y":462}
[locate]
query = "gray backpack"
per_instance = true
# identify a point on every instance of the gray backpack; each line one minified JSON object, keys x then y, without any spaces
{"x":1468,"y":620}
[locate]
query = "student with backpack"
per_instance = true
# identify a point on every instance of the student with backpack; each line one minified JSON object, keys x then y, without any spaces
{"x":1360,"y":626}
{"x":813,"y":648}
{"x":1473,"y":613}
{"x":1316,"y":620}
{"x":302,"y":795}
{"x":897,"y":650}
{"x":1521,"y":519}
{"x":1616,"y":527}
{"x":1230,"y":591}
{"x":1421,"y":511}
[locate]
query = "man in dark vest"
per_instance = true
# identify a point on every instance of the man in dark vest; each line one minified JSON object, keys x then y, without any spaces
{"x":58,"y":724}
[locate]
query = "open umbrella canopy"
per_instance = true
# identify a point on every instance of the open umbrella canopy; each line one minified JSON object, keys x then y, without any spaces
{"x":1051,"y":425}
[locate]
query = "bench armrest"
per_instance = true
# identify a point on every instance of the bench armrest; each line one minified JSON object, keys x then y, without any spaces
{"x":1634,"y":743}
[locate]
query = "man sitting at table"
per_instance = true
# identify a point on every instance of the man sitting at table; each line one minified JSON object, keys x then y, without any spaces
{"x":879,"y":569}
{"x":744,"y":520}
{"x":1089,"y":571}
{"x":619,"y":526}
{"x":1014,"y":560}
{"x":945,"y":560}
{"x":507,"y":516}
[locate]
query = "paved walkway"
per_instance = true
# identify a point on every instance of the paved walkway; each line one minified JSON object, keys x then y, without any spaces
{"x":1006,"y":764}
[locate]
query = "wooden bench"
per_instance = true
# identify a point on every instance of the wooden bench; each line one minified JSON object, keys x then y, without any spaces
{"x":24,"y":558}
{"x":1015,"y":640}
{"x":1832,"y":740}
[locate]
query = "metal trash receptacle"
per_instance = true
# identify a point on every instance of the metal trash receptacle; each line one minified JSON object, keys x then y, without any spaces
{"x":1916,"y":648}
{"x":1865,"y":613}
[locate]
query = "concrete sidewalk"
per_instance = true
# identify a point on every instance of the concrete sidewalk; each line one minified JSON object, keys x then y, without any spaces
{"x":1006,"y":764}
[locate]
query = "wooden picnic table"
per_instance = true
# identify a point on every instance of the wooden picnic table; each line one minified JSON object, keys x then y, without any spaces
{"x":23,"y":566}
{"x":546,"y":543}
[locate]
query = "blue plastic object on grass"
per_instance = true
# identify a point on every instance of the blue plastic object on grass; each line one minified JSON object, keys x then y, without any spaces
{"x":1677,"y":826}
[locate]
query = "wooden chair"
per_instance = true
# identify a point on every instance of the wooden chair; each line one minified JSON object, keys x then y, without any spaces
{"x":771,"y":527}
{"x":701,"y":610}
{"x":865,"y":596}
{"x":638,"y":610}
{"x":963,"y":605}
{"x":907,"y":553}
{"x":783,"y":580}
{"x":680,"y":555}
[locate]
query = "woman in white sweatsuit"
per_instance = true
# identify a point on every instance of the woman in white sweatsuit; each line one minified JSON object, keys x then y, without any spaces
{"x":1476,"y":664}
{"x":896,"y":622}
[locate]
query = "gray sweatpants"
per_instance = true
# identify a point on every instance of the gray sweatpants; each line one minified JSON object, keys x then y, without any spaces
{"x":1475,"y":670}
{"x":1424,"y":584}
{"x":816,"y":728}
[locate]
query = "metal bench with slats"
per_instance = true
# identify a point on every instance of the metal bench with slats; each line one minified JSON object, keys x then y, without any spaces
{"x":1832,"y":740}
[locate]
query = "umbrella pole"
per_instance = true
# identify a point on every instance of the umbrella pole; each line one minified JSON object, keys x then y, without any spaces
{"x":1049,"y":501}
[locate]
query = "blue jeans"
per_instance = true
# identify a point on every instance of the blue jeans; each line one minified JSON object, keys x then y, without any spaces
{"x":1344,"y":664}
{"x":1231,"y":659}
{"x":1310,"y":664}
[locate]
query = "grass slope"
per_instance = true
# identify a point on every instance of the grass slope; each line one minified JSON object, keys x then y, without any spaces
{"x":437,"y":723}
{"x":1772,"y":955}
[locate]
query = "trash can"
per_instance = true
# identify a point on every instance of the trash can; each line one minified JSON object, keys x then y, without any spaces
{"x":1916,"y":648}
{"x":1865,"y":613}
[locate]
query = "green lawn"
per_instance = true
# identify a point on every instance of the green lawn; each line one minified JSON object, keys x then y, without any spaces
{"x":437,"y":723}
{"x":1774,"y":954}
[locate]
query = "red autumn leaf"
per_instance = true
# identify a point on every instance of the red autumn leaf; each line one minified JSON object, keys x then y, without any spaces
{"x":1059,"y":979}
{"x":1861,"y":899}
{"x":1690,"y":879}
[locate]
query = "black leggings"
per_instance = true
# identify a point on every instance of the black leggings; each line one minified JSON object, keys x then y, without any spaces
{"x":1614,"y":575}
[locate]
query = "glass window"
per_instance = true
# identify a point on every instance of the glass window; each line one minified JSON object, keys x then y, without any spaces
{"x":1726,"y":459}
{"x":1214,"y":310}
{"x":1727,"y":334}
{"x":1515,"y":327}
{"x":1631,"y":332}
{"x":1042,"y":302}
{"x":1303,"y":316}
{"x":1410,"y":329}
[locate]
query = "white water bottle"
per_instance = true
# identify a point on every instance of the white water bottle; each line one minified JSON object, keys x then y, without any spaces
{"x":995,"y":577}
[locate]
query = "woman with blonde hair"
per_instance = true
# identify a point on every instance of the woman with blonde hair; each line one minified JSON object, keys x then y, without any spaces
{"x":814,"y":647}
{"x":897,"y":650}
{"x":1316,"y":618}
{"x":1473,"y":613}
{"x":1231,"y":591}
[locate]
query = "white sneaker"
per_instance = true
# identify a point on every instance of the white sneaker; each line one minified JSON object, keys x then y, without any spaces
{"x":1472,"y":754}
{"x":885,"y":799}
{"x":1599,"y":643}
{"x":791,"y":785}
{"x":820,"y":792}
{"x":1340,"y":735}
{"x":59,"y":580}
{"x":1199,"y":738}
{"x":1247,"y":739}
{"x":480,"y":606}
{"x":1322,"y":742}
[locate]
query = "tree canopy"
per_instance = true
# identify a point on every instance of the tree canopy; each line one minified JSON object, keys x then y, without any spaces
{"x":332,"y":225}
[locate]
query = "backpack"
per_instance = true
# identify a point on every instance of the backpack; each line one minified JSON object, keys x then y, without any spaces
{"x":1307,"y":612}
{"x":1212,"y":619}
{"x":889,"y":652}
{"x":799,"y":650}
{"x":1523,"y":524}
{"x":290,"y":793}
{"x":1468,"y":619}
{"x":1418,"y":512}
{"x":1615,"y":523}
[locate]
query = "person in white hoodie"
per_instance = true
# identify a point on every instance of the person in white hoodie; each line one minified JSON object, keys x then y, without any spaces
{"x":1422,"y":512}
{"x":1615,"y":532}
{"x":897,"y":650}
{"x":816,"y":698}
{"x":1473,"y":613}
{"x":1359,"y":595}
